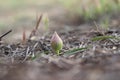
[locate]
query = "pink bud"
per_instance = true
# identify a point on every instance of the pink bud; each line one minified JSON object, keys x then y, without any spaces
{"x":56,"y":43}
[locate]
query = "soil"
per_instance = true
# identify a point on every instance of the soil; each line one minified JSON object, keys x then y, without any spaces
{"x":35,"y":60}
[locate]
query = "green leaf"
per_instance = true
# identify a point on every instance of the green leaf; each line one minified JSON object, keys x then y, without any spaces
{"x":73,"y":51}
{"x":102,"y":38}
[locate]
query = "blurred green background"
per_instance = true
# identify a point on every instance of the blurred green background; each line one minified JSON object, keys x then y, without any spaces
{"x":19,"y":14}
{"x":23,"y":12}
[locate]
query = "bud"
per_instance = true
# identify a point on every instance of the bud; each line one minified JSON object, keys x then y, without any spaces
{"x":56,"y":43}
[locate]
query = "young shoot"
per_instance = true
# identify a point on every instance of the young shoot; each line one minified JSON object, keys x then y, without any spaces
{"x":46,"y":21}
{"x":56,"y":43}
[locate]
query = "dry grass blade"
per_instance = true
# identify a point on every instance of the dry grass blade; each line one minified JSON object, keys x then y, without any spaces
{"x":98,"y":29}
{"x":38,"y":22}
{"x":24,"y":37}
{"x":27,"y":53}
{"x":33,"y":32}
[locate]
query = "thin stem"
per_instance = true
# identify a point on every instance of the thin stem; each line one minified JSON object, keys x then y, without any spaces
{"x":5,"y":34}
{"x":57,"y":52}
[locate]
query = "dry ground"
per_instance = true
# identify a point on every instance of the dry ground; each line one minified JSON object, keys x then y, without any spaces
{"x":100,"y":61}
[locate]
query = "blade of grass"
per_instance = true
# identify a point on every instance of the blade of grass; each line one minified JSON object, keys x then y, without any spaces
{"x":103,"y":38}
{"x":73,"y":51}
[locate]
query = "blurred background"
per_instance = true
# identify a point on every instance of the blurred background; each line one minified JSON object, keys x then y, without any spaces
{"x":20,"y":15}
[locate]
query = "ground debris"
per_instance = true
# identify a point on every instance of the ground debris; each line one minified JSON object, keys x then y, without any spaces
{"x":35,"y":59}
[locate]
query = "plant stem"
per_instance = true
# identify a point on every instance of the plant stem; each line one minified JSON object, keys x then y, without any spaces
{"x":57,"y":52}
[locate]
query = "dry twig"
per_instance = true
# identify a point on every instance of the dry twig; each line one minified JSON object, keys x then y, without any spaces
{"x":5,"y":34}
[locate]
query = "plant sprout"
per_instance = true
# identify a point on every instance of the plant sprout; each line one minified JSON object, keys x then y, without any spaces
{"x":46,"y":21}
{"x":56,"y":43}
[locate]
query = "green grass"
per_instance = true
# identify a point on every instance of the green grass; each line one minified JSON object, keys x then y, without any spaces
{"x":75,"y":50}
{"x":15,"y":9}
{"x":102,"y":38}
{"x":23,"y":3}
{"x":7,"y":4}
{"x":89,"y":9}
{"x":105,"y":37}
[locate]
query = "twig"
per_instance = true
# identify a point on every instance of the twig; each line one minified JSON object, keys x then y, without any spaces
{"x":14,"y":52}
{"x":27,"y":53}
{"x":5,"y":34}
